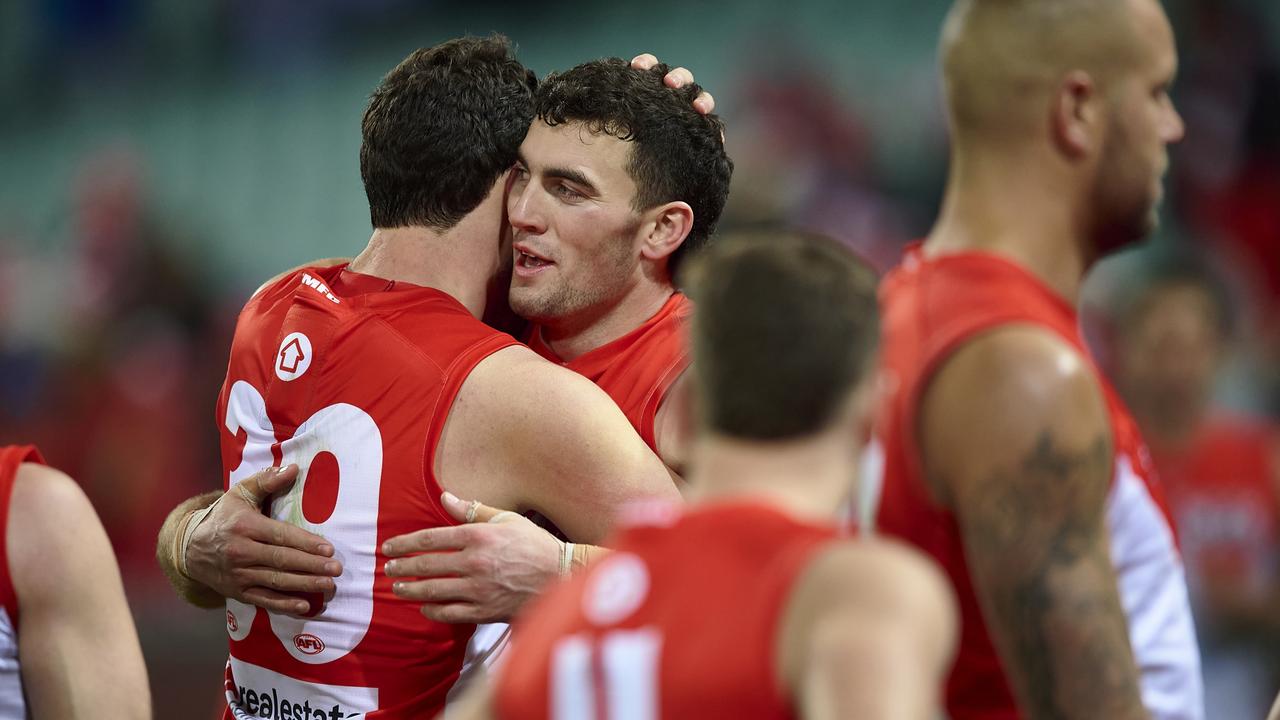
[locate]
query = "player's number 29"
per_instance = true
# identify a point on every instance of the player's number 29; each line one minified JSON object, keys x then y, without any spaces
{"x":353,"y":438}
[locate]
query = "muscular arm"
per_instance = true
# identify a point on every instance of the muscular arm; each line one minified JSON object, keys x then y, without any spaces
{"x":76,"y":639}
{"x":868,"y":632}
{"x":529,"y":435}
{"x":1015,"y":438}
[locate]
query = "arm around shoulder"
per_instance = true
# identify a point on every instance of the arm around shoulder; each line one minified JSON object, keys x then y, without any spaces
{"x":76,"y":639}
{"x":575,"y":457}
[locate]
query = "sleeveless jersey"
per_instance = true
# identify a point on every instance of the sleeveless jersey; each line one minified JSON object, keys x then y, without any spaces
{"x":637,"y":369}
{"x":931,"y":307}
{"x":1222,"y":494}
{"x":13,"y":704}
{"x":657,"y":629}
{"x":351,"y":377}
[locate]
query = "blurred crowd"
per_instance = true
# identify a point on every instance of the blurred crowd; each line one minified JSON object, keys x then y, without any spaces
{"x":114,"y":335}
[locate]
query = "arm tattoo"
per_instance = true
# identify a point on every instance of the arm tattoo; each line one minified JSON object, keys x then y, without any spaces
{"x":1038,"y":542}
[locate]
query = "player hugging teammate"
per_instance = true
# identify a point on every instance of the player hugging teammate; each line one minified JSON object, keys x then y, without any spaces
{"x":1043,"y":558}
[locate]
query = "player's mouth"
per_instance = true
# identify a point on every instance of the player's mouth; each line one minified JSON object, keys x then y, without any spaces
{"x":528,"y":262}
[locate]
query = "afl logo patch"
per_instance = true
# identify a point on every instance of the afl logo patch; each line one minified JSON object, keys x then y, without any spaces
{"x":232,"y":625}
{"x":308,"y":643}
{"x":616,"y":589}
{"x":294,"y":357}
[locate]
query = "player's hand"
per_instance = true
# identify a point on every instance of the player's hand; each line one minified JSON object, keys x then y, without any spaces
{"x":480,"y":572}
{"x":242,"y":554}
{"x":704,"y":103}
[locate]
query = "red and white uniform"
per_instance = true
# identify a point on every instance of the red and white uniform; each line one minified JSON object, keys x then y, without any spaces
{"x":13,"y":704}
{"x":660,"y":630}
{"x":637,"y":369}
{"x":351,"y":377}
{"x":1222,"y":493}
{"x":933,"y":306}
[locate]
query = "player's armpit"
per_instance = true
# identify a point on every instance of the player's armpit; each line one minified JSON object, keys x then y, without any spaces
{"x":76,"y":639}
{"x":1016,"y":439}
{"x":869,"y":631}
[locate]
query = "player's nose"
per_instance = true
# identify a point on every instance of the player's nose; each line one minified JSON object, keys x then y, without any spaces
{"x":1175,"y":128}
{"x":522,"y":210}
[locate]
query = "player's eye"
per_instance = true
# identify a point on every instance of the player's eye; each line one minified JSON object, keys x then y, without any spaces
{"x":567,"y":193}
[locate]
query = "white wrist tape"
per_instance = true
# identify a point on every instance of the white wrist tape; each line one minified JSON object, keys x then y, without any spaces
{"x":193,"y":522}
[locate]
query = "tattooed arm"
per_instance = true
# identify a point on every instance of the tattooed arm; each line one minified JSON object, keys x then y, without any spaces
{"x":1016,"y":441}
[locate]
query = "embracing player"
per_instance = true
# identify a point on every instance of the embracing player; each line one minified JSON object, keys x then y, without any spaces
{"x":378,"y":380}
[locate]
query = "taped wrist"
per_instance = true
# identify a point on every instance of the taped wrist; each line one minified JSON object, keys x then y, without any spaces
{"x":183,"y":537}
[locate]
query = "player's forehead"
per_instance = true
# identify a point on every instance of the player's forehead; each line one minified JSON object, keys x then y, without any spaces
{"x":601,"y":156}
{"x":1154,"y":36}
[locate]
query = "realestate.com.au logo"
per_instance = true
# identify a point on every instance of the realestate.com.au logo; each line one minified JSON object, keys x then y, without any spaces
{"x":270,"y":703}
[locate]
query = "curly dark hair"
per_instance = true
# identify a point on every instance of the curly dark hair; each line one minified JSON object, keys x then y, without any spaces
{"x":677,"y":153}
{"x":440,"y":128}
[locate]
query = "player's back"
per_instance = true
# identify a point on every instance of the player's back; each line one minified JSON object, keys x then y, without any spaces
{"x":351,"y":377}
{"x":681,"y":621}
{"x":932,"y":307}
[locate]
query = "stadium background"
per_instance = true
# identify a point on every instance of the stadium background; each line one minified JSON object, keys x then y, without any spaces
{"x":158,"y":160}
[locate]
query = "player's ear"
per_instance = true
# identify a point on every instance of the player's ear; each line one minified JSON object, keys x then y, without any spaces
{"x":668,"y":225}
{"x":1077,"y":115}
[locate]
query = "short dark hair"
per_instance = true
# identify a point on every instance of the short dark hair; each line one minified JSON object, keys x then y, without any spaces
{"x":785,"y":325}
{"x":441,"y":128}
{"x":677,"y":153}
{"x":1164,"y":269}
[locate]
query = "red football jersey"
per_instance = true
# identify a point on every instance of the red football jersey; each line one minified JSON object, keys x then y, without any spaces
{"x":637,"y":369}
{"x":351,"y":377}
{"x":13,"y":702}
{"x":1222,"y":492}
{"x":933,"y":306}
{"x":681,"y":621}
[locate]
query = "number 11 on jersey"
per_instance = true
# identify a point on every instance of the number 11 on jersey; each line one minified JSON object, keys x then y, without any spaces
{"x":614,"y":679}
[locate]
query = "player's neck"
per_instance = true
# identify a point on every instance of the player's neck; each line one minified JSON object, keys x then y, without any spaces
{"x":808,"y":478}
{"x":570,"y":337}
{"x":446,"y":261}
{"x":1026,"y":216}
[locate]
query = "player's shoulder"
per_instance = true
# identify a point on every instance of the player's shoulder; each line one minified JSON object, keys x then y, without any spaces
{"x":875,"y":572}
{"x":853,"y":592}
{"x":48,"y":516}
{"x":1021,"y":364}
{"x":314,"y":273}
{"x":519,"y":376}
